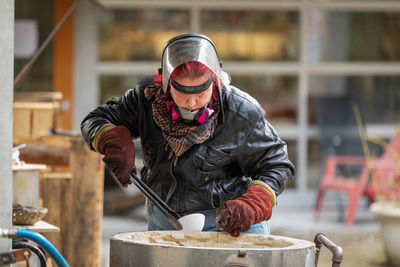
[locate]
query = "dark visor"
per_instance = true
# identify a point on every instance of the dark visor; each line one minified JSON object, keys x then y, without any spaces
{"x":192,"y":89}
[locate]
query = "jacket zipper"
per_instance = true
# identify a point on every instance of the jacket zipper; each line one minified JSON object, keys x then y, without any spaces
{"x":173,"y":187}
{"x":212,"y":195}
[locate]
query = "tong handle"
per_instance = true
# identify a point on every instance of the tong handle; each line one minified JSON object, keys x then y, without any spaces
{"x":171,"y":215}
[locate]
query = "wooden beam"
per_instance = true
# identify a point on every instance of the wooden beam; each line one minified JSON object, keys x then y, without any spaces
{"x":87,"y":170}
{"x":358,"y":5}
{"x":63,"y":51}
{"x":45,"y":154}
{"x":75,"y":205}
{"x":57,"y":196}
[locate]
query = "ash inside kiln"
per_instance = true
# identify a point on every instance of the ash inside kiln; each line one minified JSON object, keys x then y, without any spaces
{"x":208,"y":239}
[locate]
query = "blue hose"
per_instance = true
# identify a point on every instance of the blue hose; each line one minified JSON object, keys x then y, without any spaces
{"x":43,"y":242}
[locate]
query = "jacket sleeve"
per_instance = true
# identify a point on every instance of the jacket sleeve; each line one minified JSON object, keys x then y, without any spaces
{"x":117,"y":111}
{"x":265,"y":158}
{"x":124,"y":110}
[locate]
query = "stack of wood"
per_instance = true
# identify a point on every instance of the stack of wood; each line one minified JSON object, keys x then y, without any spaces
{"x":71,"y":187}
{"x":35,"y":115}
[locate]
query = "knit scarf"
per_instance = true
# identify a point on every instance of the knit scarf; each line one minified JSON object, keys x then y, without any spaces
{"x":182,"y":135}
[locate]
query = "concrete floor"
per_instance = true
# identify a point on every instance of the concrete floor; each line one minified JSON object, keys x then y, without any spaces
{"x":293,"y":217}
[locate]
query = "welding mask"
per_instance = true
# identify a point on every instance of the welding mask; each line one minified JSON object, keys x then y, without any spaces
{"x":191,"y":47}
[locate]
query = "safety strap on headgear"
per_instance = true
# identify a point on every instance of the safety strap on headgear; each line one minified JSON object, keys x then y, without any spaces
{"x":192,"y":89}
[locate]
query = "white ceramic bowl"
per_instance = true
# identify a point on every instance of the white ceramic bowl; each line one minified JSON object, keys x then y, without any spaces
{"x":192,"y":222}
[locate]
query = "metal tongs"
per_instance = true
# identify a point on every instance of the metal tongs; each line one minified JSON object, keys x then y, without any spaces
{"x":171,"y":215}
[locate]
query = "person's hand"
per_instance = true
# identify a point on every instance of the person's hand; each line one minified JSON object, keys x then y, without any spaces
{"x":119,"y":153}
{"x":236,"y":216}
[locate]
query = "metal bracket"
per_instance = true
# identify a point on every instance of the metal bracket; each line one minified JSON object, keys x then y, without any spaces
{"x":14,"y":256}
{"x":21,"y":254}
{"x":6,"y":258}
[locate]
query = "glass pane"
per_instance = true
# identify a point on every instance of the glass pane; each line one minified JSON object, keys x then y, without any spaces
{"x":253,"y":35}
{"x":354,"y":36}
{"x":315,"y":164}
{"x":379,"y":95}
{"x":139,"y":34}
{"x":112,"y":86}
{"x":40,"y":77}
{"x":276,"y":94}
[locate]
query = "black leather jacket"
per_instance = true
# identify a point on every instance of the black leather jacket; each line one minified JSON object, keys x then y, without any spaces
{"x":244,"y":147}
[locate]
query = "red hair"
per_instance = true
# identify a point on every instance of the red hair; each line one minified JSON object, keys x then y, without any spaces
{"x":157,"y":79}
{"x":195,"y":69}
{"x":191,"y":69}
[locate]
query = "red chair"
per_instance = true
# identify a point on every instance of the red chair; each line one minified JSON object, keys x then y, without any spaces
{"x":342,"y":152}
{"x":384,"y":170}
{"x":354,"y":188}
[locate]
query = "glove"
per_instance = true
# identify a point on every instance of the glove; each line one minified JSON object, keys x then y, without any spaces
{"x":236,"y":216}
{"x":119,"y":152}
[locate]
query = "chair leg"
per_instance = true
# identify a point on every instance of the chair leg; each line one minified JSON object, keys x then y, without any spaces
{"x":370,"y":194}
{"x":354,"y":197}
{"x":318,"y":204}
{"x":340,"y":207}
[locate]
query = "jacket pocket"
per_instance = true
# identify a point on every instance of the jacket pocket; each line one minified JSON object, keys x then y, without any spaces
{"x":212,"y":160}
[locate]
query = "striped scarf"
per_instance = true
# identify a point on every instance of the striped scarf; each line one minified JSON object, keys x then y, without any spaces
{"x":182,"y":135}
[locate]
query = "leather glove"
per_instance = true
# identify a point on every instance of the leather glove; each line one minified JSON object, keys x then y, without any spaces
{"x":119,"y":152}
{"x":236,"y":216}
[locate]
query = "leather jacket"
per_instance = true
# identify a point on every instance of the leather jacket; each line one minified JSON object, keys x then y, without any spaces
{"x":244,"y":147}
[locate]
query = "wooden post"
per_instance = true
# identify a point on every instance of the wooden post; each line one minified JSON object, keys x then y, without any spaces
{"x":63,"y":55}
{"x":75,"y":204}
{"x":87,"y":184}
{"x":57,"y":198}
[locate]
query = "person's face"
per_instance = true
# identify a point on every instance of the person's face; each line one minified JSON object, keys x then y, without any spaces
{"x":191,"y":101}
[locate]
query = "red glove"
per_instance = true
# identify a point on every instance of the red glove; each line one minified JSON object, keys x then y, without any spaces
{"x":117,"y":146}
{"x":236,"y":216}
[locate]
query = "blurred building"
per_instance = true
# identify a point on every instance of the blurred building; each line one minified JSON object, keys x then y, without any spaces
{"x":284,"y":53}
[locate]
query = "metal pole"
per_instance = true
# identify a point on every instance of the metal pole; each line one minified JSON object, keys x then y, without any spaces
{"x":6,"y":100}
{"x":302,"y":107}
{"x":86,"y":82}
{"x":337,"y":252}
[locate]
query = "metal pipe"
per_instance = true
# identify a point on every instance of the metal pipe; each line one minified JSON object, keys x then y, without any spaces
{"x":337,"y":252}
{"x":8,"y":233}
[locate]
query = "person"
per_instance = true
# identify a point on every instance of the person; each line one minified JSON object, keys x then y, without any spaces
{"x":207,"y":146}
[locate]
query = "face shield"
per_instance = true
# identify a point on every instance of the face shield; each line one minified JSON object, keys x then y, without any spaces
{"x":191,"y":47}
